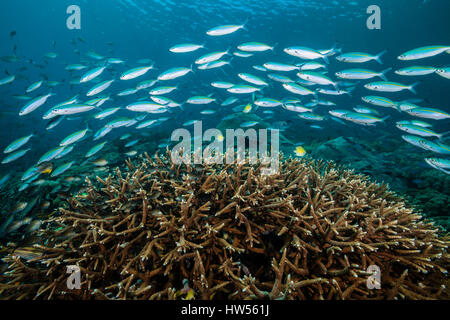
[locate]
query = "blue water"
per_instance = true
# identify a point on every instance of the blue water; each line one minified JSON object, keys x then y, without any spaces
{"x":133,"y":30}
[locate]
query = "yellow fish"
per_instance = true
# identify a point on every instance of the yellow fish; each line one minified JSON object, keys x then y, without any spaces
{"x":247,"y":108}
{"x":299,"y":151}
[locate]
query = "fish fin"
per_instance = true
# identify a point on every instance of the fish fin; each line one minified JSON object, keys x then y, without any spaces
{"x":325,"y":58}
{"x":383,"y":74}
{"x":316,"y":94}
{"x":336,"y":85}
{"x":442,"y":136}
{"x":412,"y":87}
{"x":385,"y":118}
{"x":378,"y":56}
{"x":244,"y":24}
{"x":275,"y":45}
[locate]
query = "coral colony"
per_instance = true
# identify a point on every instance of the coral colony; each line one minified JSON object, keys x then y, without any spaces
{"x":159,"y":230}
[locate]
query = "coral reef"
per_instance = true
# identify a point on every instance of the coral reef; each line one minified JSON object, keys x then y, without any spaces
{"x":399,"y":165}
{"x":157,"y":230}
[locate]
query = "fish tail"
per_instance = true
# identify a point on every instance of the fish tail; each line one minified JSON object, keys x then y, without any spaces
{"x":412,"y":87}
{"x":378,"y":56}
{"x":316,"y":94}
{"x":443,"y":137}
{"x":336,"y":85}
{"x":383,"y":74}
{"x":244,"y":24}
{"x":325,"y":58}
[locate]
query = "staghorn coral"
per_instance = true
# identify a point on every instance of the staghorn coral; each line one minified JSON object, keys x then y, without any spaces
{"x":307,"y":232}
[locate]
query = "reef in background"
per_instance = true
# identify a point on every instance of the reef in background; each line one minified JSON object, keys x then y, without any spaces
{"x":166,"y":231}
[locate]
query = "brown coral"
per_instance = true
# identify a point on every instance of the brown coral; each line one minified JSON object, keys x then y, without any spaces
{"x":308,"y":232}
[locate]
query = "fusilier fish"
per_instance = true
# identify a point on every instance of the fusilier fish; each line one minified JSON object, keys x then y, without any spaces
{"x":268,"y":102}
{"x":243,"y":89}
{"x":440,"y":164}
{"x":360,"y":57}
{"x":72,"y":109}
{"x":305,"y":53}
{"x":74,"y":137}
{"x":105,"y":113}
{"x":162,"y":90}
{"x":386,"y":86}
{"x":14,"y":156}
{"x":62,"y":168}
{"x":298,"y":89}
{"x":185,"y":47}
{"x":17,"y":144}
{"x":174,"y":73}
{"x":423,"y":52}
{"x":316,"y":77}
{"x":222,"y":84}
{"x":95,"y":149}
{"x":415,"y":71}
{"x":7,"y":80}
{"x":428,"y":113}
{"x":50,"y":155}
{"x":279,"y":78}
{"x":92,"y":74}
{"x":361,"y":74}
{"x":252,"y":79}
{"x":200,"y":100}
{"x":99,"y":88}
{"x":146,"y":124}
{"x":277,"y":66}
{"x":380,"y":101}
{"x":418,"y":130}
{"x":213,"y":56}
{"x":120,"y":122}
{"x":213,"y":64}
{"x":224,"y":30}
{"x":254,"y":47}
{"x":34,"y":104}
{"x":146,"y":106}
{"x":135,"y":72}
{"x":34,"y":86}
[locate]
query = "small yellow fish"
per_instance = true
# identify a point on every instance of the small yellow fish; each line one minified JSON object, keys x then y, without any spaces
{"x":247,"y":108}
{"x":190,"y":295}
{"x":299,"y":151}
{"x":46,"y":167}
